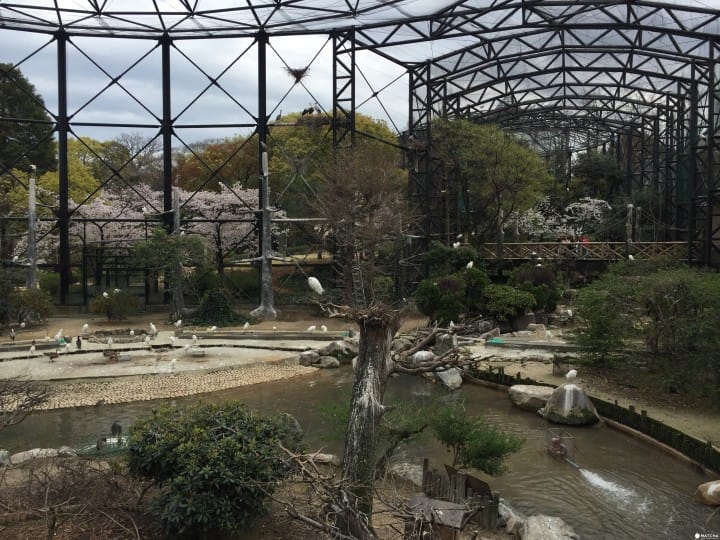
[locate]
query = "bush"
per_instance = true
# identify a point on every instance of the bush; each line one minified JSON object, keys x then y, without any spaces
{"x":670,"y":311}
{"x":217,"y":465}
{"x":30,"y":305}
{"x":444,"y":260}
{"x":115,"y":305}
{"x":541,"y":282}
{"x":215,"y":308}
{"x":473,"y":441}
{"x":449,"y":298}
{"x":503,"y":302}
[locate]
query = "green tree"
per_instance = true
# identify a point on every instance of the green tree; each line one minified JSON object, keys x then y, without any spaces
{"x":25,"y":125}
{"x":489,"y":174}
{"x":171,"y":254}
{"x":217,"y":465}
{"x":595,"y":175}
{"x":474,"y":442}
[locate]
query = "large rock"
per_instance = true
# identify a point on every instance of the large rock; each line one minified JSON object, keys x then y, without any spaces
{"x":327,"y":362}
{"x":530,"y":397}
{"x":540,"y":527}
{"x":709,"y":493}
{"x":513,"y":520}
{"x":452,"y":378}
{"x":338,"y":349}
{"x":401,"y":344}
{"x":308,"y":358}
{"x":569,"y":404}
{"x":37,"y":453}
{"x":421,"y":357}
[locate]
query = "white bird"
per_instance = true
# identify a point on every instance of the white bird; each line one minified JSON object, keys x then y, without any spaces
{"x":311,"y":328}
{"x":469,"y":265}
{"x":459,"y":236}
{"x":212,"y":328}
{"x":153,"y":328}
{"x":59,"y":335}
{"x":147,"y":340}
{"x":274,"y":328}
{"x":144,"y":209}
{"x":85,"y":328}
{"x":178,"y":323}
{"x":538,"y":265}
{"x":569,"y":313}
{"x":172,"y":340}
{"x":110,"y":342}
{"x":15,"y":258}
{"x":105,"y":294}
{"x":172,"y":364}
{"x":570,"y":375}
{"x":22,"y":324}
{"x":132,"y":333}
{"x":456,"y":245}
{"x":314,"y":284}
{"x":323,"y":328}
{"x":631,"y":258}
{"x":548,"y":335}
{"x":194,"y":339}
{"x":116,"y":291}
{"x":451,"y":325}
{"x":246,"y":325}
{"x":32,"y":349}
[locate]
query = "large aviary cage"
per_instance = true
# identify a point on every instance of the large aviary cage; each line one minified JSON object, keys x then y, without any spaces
{"x":635,"y":78}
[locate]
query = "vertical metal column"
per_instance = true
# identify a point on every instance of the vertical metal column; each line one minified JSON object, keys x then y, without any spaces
{"x":692,"y":166}
{"x":167,"y":131}
{"x":343,"y":89}
{"x":628,"y":180}
{"x":63,"y":178}
{"x":266,"y":309}
{"x":711,"y":181}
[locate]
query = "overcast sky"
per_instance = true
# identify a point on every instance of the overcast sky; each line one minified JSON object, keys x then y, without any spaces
{"x":143,"y":81}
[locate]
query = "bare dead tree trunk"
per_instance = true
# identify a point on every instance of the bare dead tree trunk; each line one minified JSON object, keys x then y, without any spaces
{"x":374,"y":365}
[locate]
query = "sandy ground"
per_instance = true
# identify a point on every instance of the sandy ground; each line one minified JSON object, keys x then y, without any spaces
{"x":152,"y":374}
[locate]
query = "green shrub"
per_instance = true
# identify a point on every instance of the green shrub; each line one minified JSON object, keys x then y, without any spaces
{"x":30,"y":305}
{"x":449,"y":298}
{"x":50,"y":282}
{"x":115,"y":305}
{"x":541,"y":282}
{"x":474,"y":442}
{"x":217,"y":465}
{"x":444,"y":260}
{"x":215,"y":308}
{"x":503,"y":302}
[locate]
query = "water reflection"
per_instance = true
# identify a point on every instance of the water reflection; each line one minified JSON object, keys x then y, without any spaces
{"x":622,"y":489}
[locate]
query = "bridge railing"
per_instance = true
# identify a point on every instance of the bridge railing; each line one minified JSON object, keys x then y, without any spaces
{"x":598,"y":251}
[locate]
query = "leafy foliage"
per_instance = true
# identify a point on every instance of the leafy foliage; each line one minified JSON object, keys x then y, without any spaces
{"x":30,"y":305}
{"x":217,"y":464}
{"x":449,"y":298}
{"x":473,"y":441}
{"x":216,"y":308}
{"x":503,"y":302}
{"x":673,"y":311}
{"x":541,"y":282}
{"x":115,"y":305}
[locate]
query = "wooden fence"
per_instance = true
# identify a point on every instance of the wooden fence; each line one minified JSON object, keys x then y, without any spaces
{"x":459,"y":487}
{"x":591,"y":251}
{"x":703,"y":452}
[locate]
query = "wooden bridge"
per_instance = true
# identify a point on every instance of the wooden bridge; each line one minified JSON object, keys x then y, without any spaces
{"x":589,"y":251}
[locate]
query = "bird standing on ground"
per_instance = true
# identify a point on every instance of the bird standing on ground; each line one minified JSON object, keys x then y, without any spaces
{"x":323,"y":328}
{"x":132,"y":333}
{"x":22,"y":324}
{"x":172,"y":340}
{"x":110,"y":342}
{"x":311,"y":328}
{"x":246,"y":325}
{"x":172,"y":364}
{"x":570,"y":375}
{"x":314,"y":284}
{"x":147,"y":340}
{"x":153,"y":328}
{"x":178,"y":323}
{"x":85,"y":328}
{"x":194,"y":339}
{"x":32,"y":349}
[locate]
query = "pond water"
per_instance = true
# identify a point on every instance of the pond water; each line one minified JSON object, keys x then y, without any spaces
{"x":622,"y":488}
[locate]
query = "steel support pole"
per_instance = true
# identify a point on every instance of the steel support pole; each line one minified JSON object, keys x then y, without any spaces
{"x":692,"y":166}
{"x":167,"y":132}
{"x":266,"y":309}
{"x":710,"y":167}
{"x":63,"y":178}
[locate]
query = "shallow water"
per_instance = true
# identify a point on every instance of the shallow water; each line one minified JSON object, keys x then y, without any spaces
{"x":622,"y":488}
